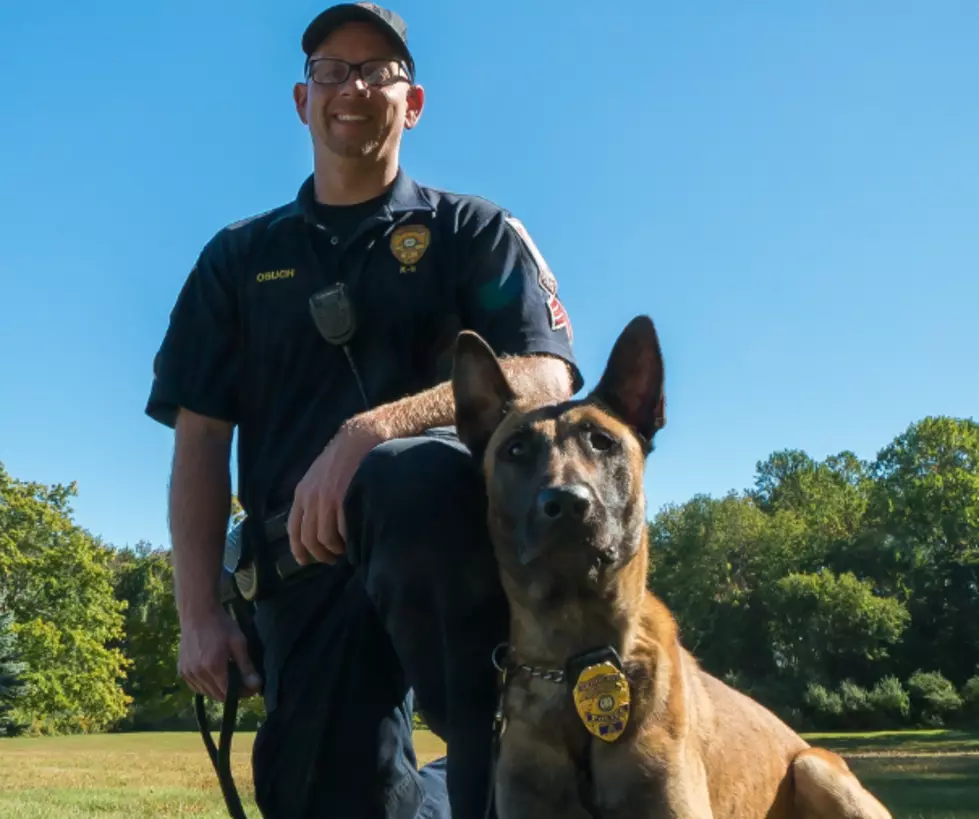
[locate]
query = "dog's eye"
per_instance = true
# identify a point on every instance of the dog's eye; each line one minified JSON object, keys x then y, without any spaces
{"x":598,"y":439}
{"x":515,"y":448}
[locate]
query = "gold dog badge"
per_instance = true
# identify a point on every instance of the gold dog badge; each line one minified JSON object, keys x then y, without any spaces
{"x":408,"y":244}
{"x":601,"y":697}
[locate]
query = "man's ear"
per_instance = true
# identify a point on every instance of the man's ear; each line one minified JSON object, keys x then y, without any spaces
{"x":299,"y":95}
{"x":416,"y":103}
{"x":632,"y":384}
{"x":482,"y":394}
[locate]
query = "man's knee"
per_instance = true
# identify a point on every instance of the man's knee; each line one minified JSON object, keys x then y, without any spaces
{"x":405,"y":472}
{"x":416,"y":520}
{"x":409,"y":488}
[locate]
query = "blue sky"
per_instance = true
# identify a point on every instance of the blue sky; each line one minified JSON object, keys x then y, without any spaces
{"x":791,"y":190}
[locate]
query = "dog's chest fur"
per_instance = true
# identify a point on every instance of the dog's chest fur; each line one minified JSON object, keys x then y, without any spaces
{"x":606,"y":774}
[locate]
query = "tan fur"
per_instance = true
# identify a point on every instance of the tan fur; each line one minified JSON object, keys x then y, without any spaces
{"x":694,"y":748}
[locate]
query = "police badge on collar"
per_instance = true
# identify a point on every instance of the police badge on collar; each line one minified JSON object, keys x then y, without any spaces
{"x":601,"y":698}
{"x":408,"y":244}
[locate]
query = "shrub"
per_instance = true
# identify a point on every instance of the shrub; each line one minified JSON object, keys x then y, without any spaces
{"x":890,"y":702}
{"x":856,"y":700}
{"x":933,"y":697}
{"x":970,"y":702}
{"x":825,"y":706}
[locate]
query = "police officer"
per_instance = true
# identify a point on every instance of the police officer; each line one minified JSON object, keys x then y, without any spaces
{"x":321,"y":330}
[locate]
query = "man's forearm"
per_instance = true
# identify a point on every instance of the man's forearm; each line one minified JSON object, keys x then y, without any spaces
{"x":200,"y":504}
{"x":535,"y":379}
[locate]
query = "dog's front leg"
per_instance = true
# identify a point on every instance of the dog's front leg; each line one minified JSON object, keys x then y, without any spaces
{"x":650,"y":780}
{"x":536,"y":777}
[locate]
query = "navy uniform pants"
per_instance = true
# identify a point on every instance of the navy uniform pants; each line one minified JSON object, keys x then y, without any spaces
{"x":407,"y":620}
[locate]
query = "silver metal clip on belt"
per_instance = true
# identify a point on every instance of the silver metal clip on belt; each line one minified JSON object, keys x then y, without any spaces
{"x":242,"y":561}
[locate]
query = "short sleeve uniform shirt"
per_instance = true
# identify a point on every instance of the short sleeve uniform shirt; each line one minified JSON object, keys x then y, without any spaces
{"x":419,"y":264}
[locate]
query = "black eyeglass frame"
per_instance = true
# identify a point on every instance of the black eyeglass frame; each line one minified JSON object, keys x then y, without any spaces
{"x":358,"y":67}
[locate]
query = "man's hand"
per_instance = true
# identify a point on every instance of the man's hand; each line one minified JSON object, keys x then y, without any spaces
{"x":207,"y":642}
{"x":317,"y":529}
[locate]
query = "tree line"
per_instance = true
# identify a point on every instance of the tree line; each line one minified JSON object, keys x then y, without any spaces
{"x":842,"y":593}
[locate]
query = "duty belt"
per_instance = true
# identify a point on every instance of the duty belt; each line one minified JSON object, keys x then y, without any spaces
{"x":260,"y":569}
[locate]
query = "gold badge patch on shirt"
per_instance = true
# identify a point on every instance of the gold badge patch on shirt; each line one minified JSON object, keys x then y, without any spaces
{"x":408,"y":244}
{"x":601,"y":697}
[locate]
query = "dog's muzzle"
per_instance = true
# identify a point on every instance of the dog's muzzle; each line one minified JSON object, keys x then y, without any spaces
{"x":562,"y":516}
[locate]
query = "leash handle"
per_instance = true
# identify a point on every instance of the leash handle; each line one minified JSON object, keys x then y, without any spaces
{"x":220,"y":755}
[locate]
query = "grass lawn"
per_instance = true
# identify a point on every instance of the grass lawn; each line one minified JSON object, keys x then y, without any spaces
{"x":124,"y":776}
{"x":917,"y":774}
{"x":899,"y":742}
{"x":926,"y":774}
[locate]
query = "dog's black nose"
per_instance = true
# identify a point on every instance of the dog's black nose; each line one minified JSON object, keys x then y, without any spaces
{"x":564,"y":502}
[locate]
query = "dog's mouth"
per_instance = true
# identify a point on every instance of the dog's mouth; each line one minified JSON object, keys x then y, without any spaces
{"x":566,"y":538}
{"x":565,"y":531}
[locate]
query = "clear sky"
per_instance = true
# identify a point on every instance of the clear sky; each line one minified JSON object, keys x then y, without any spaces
{"x":791,"y":190}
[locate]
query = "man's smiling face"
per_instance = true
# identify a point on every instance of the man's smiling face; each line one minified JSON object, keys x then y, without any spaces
{"x":360,"y":116}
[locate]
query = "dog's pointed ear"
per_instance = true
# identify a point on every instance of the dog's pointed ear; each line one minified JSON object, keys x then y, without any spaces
{"x":482,"y":394}
{"x":632,"y":384}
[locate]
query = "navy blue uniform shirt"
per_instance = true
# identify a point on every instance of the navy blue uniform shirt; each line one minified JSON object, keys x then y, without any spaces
{"x":242,"y":346}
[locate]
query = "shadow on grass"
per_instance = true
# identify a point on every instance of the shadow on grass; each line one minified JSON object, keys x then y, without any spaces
{"x":934,"y":787}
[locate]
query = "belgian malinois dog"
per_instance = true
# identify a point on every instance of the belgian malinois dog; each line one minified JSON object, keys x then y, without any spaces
{"x":604,"y":713}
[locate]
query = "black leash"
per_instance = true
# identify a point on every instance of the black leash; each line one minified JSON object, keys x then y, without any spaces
{"x":221,"y":754}
{"x":243,"y":581}
{"x":499,"y":726}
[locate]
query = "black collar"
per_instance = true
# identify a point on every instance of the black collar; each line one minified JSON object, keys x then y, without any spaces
{"x":406,"y":196}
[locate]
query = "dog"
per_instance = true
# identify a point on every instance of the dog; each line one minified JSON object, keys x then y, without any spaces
{"x":603,"y":712}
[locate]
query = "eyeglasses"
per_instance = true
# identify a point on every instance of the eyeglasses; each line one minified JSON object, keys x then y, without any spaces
{"x":332,"y":71}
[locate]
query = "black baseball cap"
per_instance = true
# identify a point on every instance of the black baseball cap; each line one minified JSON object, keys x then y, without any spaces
{"x":332,"y":18}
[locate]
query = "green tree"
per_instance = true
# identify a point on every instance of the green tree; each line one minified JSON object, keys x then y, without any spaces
{"x":826,"y":628}
{"x":924,"y":512}
{"x":144,"y":581}
{"x":13,"y":686}
{"x":59,"y":588}
{"x":712,"y":561}
{"x":829,"y":496}
{"x":702,"y":554}
{"x":829,"y":582}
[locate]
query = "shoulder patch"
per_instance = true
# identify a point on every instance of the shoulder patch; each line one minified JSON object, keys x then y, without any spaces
{"x":557,"y":314}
